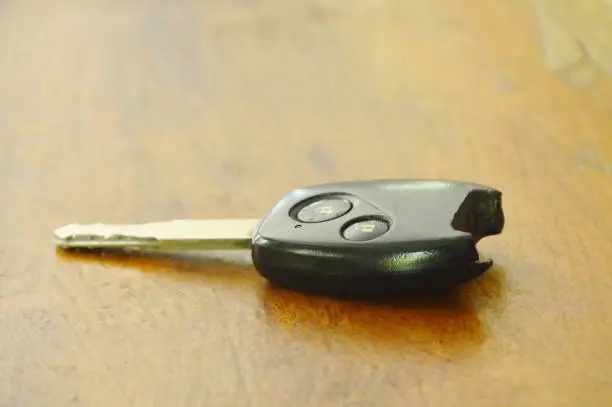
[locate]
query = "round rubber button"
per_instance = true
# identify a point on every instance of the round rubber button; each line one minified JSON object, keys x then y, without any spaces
{"x":364,"y":230}
{"x":324,"y":210}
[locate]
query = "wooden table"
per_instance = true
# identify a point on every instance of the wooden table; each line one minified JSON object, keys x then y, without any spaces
{"x":147,"y":110}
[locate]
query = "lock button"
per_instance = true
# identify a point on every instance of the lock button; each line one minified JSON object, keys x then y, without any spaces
{"x":324,"y":210}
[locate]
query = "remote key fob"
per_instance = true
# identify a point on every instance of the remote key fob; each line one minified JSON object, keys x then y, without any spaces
{"x":359,"y":239}
{"x":378,"y":238}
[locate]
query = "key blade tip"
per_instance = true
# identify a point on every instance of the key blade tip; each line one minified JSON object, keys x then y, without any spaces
{"x":97,"y":236}
{"x":63,"y":235}
{"x":71,"y":236}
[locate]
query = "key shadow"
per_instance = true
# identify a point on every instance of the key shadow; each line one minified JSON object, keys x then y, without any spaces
{"x":184,"y":266}
{"x":444,"y":324}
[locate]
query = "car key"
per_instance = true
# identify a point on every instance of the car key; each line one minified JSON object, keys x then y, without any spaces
{"x":359,"y":239}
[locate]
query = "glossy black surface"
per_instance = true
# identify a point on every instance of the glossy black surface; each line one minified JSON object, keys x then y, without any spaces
{"x":434,"y":226}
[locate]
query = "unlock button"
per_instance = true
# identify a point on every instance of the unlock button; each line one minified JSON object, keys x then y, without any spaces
{"x":364,"y":230}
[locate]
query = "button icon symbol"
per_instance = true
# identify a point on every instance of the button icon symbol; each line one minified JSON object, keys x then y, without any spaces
{"x":368,"y":227}
{"x":325,"y":209}
{"x":365,"y":230}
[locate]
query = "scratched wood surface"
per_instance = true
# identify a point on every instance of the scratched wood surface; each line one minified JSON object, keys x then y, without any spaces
{"x":147,"y":110}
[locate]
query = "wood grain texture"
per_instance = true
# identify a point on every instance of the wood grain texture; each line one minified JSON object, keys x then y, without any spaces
{"x":576,"y":38}
{"x":146,"y":110}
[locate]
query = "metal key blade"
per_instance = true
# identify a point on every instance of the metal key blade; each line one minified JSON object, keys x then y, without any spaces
{"x":214,"y":234}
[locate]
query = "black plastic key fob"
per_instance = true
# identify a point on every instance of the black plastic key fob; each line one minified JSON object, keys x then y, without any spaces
{"x":381,"y":238}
